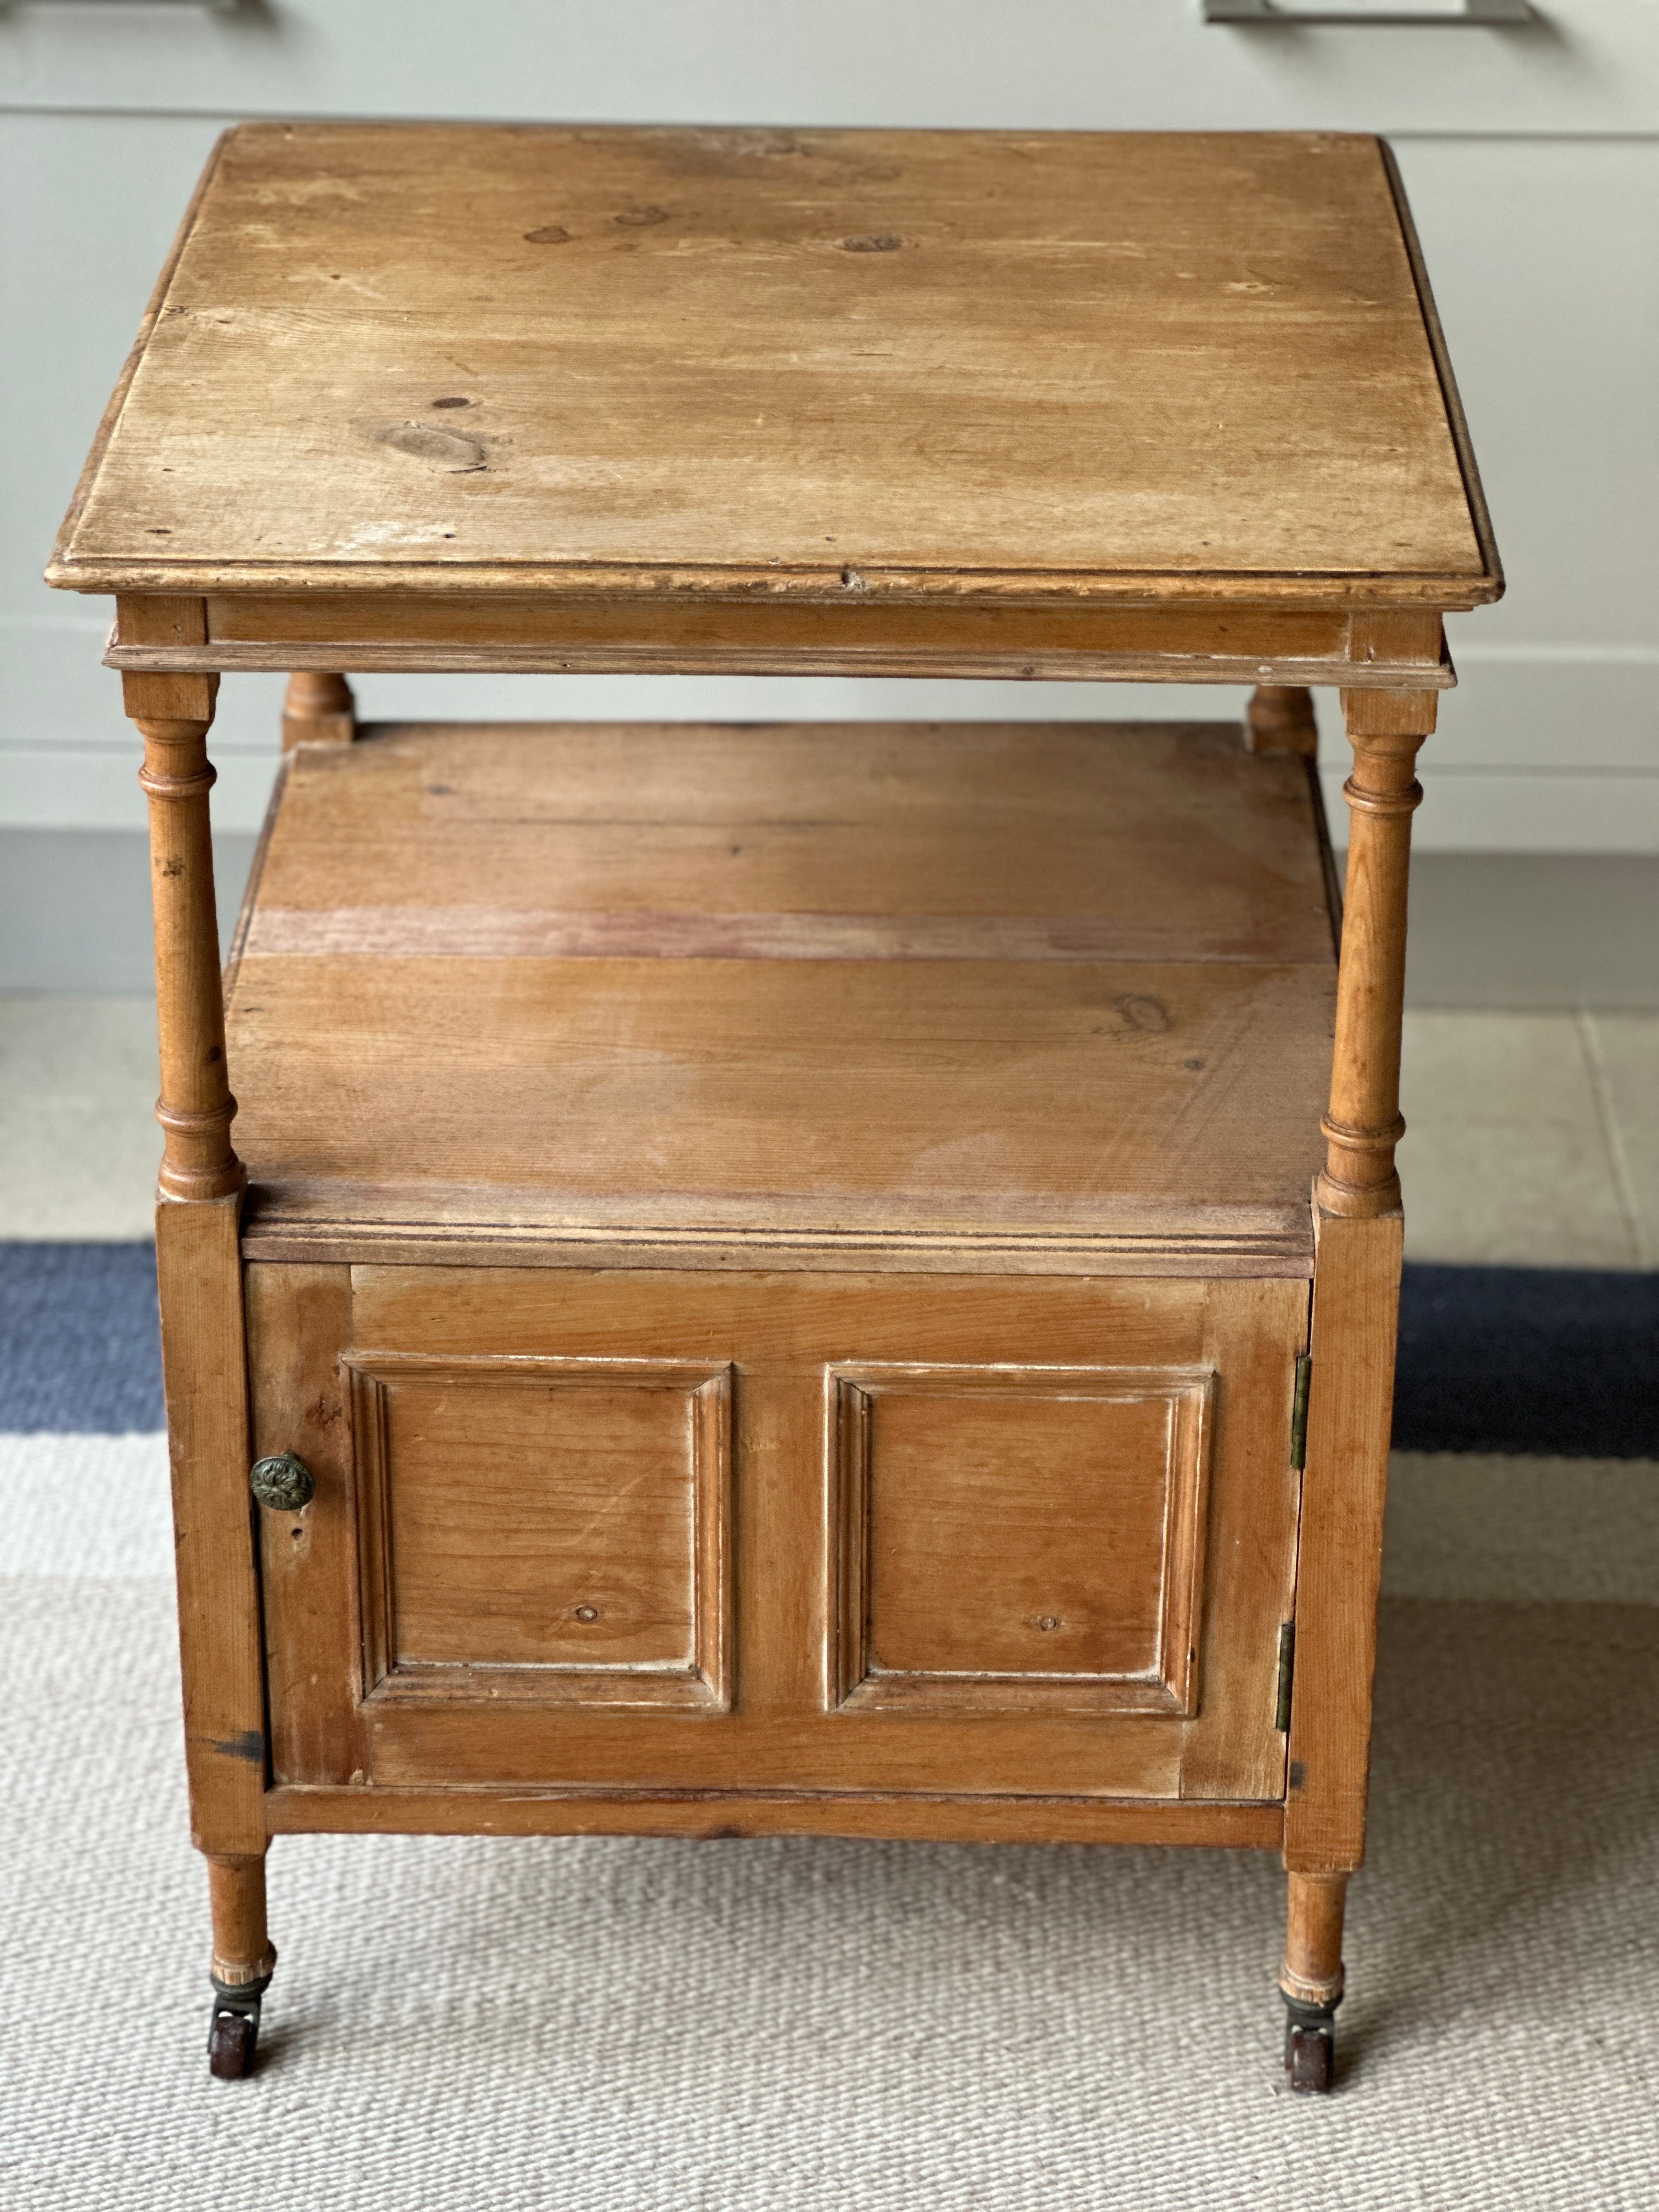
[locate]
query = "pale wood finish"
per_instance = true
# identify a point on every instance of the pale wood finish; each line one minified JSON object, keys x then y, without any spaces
{"x":1457,"y":421}
{"x":1012,"y":1539}
{"x":550,"y":1529}
{"x":698,"y":360}
{"x":803,"y":936}
{"x":204,"y":1362}
{"x":242,"y":1950}
{"x":1280,"y":719}
{"x":1137,"y":841}
{"x":923,"y":1817}
{"x":1350,"y":1416}
{"x":174,"y":715}
{"x":299,"y":1319}
{"x":1312,"y":1971}
{"x":968,"y":647}
{"x":851,"y":635}
{"x":901,"y":1140}
{"x":1362,"y":1124}
{"x":784,"y":1335}
{"x":317,"y":710}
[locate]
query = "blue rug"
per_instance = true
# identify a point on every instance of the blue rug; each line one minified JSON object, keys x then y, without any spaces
{"x":1549,"y":1360}
{"x":80,"y":1339}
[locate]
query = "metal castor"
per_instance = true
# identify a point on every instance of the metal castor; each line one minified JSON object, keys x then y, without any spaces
{"x":1309,"y":2047}
{"x":233,"y":2030}
{"x":231,"y":2042}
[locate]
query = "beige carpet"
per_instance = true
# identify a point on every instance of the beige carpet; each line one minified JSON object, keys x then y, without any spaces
{"x":492,"y":2025}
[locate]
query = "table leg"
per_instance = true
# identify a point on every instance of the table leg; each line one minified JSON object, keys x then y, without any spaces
{"x":1311,"y":1978}
{"x":243,"y":1961}
{"x":1280,"y":719}
{"x":174,"y":715}
{"x":1386,"y":729}
{"x":204,"y":1349}
{"x":1358,"y":1241}
{"x":319,"y":710}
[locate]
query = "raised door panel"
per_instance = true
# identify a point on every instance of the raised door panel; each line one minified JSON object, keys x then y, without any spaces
{"x":1019,"y":1540}
{"x":549,"y":1530}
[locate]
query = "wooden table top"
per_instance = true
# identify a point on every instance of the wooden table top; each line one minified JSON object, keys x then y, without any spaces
{"x":484,"y":359}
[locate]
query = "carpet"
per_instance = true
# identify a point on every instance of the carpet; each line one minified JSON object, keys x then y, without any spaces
{"x":811,"y":2024}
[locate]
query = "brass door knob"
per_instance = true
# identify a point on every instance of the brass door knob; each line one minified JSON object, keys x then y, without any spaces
{"x":284,"y":1482}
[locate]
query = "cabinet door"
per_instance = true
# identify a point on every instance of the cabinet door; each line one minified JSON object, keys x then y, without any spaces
{"x":861,"y":1535}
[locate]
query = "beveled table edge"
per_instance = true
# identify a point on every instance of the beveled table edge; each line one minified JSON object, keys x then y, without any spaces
{"x":1311,"y":590}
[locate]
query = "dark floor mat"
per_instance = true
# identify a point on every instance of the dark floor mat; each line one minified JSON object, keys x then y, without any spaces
{"x":1529,"y":1359}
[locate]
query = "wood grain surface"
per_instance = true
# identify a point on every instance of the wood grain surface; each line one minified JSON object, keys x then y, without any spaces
{"x":558,"y":1529}
{"x":303,"y":1810}
{"x":519,"y":1502}
{"x":472,"y":358}
{"x":204,"y":1367}
{"x":1019,"y":1538}
{"x":758,"y":986}
{"x":857,"y":635}
{"x":299,"y":1319}
{"x":1350,"y":1412}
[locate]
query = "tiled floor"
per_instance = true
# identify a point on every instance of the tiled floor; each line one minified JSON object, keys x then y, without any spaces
{"x":1532,"y":1138}
{"x":1623,"y":1050}
{"x":78,"y":1140}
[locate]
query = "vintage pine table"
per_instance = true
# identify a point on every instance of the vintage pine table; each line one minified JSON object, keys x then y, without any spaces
{"x":784,"y":1280}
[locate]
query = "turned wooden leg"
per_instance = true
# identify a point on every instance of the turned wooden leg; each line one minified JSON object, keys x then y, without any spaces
{"x":243,"y":1961}
{"x":1358,"y":1230}
{"x":1386,"y":729}
{"x":1280,"y":719}
{"x":1311,"y":1978}
{"x":195,"y":1107}
{"x":203,"y":1346}
{"x":319,"y":710}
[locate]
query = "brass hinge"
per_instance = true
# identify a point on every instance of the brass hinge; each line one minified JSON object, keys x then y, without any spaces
{"x":1299,"y":1414}
{"x":1287,"y":1673}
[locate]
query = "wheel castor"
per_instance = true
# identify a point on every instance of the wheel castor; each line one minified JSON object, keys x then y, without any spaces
{"x":233,"y":2030}
{"x":232,"y":2040}
{"x":1309,"y":2047}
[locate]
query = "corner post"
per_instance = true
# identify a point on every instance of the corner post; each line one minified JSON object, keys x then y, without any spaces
{"x":199,"y":1272}
{"x":1359,"y":1232}
{"x":174,"y":715}
{"x":204,"y":1340}
{"x":1363,"y":1125}
{"x":1280,"y":719}
{"x":318,"y":709}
